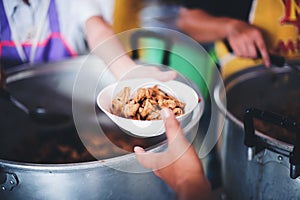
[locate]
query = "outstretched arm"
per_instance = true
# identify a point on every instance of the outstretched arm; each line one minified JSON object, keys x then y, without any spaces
{"x":98,"y":31}
{"x":179,"y":166}
{"x":101,"y":40}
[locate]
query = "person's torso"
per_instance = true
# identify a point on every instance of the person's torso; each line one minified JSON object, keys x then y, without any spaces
{"x":280,"y":22}
{"x":40,"y":32}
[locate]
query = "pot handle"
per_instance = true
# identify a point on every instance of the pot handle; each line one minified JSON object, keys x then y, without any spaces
{"x":276,"y":60}
{"x":255,"y":144}
{"x":8,"y":180}
{"x":136,"y":36}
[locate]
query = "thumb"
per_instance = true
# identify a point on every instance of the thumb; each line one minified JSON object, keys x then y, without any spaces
{"x":148,"y":160}
{"x":173,"y":129}
{"x":167,"y":75}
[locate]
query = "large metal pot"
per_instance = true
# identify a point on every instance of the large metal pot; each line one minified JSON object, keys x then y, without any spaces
{"x":53,"y":162}
{"x":263,"y":165}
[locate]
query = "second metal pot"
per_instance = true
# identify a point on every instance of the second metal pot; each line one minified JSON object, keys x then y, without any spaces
{"x":267,"y":175}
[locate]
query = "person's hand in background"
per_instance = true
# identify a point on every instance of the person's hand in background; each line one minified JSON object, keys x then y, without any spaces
{"x":140,"y":71}
{"x":179,"y":166}
{"x":247,"y":40}
{"x":244,"y":38}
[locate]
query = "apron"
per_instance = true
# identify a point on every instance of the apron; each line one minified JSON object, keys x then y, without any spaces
{"x":53,"y":48}
{"x":280,"y":25}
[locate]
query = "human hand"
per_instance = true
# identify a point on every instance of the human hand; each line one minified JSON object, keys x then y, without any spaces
{"x":179,"y":166}
{"x":141,"y":71}
{"x":247,"y":40}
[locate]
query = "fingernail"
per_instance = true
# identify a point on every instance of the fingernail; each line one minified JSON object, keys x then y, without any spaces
{"x":138,"y":149}
{"x":165,"y":113}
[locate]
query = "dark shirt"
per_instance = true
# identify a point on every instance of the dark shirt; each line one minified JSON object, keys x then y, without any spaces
{"x":238,"y":9}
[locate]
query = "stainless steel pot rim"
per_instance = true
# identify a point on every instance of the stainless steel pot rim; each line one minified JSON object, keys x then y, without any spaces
{"x":72,"y":166}
{"x":28,"y":71}
{"x":48,"y":67}
{"x":197,"y":113}
{"x":242,"y":76}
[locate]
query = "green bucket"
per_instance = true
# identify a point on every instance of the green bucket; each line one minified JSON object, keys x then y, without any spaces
{"x":188,"y":61}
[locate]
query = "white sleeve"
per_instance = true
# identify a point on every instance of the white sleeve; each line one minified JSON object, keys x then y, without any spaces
{"x":87,"y":9}
{"x":90,"y":8}
{"x":107,"y":9}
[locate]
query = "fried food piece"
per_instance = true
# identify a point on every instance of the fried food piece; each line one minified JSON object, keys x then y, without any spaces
{"x":178,"y":111}
{"x":168,"y":103}
{"x":155,"y":115}
{"x":141,"y":94}
{"x":147,"y":109}
{"x":130,"y":109}
{"x":119,"y":102}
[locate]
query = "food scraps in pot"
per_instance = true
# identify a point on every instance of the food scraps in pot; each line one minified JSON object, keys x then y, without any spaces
{"x":145,"y":104}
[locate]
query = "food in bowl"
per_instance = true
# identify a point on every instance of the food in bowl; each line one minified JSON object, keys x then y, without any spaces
{"x":149,"y":128}
{"x":145,"y":104}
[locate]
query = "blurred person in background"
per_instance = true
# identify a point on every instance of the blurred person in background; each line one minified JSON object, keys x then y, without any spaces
{"x":252,"y":29}
{"x":48,"y":30}
{"x":42,"y":31}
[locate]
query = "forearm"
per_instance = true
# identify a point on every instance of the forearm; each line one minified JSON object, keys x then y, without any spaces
{"x":97,"y":31}
{"x":102,"y":42}
{"x":193,"y":183}
{"x":198,"y":188}
{"x":202,"y":26}
{"x":244,"y":38}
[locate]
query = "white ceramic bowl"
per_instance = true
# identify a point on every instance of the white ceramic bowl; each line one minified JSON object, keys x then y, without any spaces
{"x":144,"y":128}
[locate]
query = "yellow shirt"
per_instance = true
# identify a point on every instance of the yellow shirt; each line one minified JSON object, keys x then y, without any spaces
{"x":280,"y":24}
{"x":126,"y":14}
